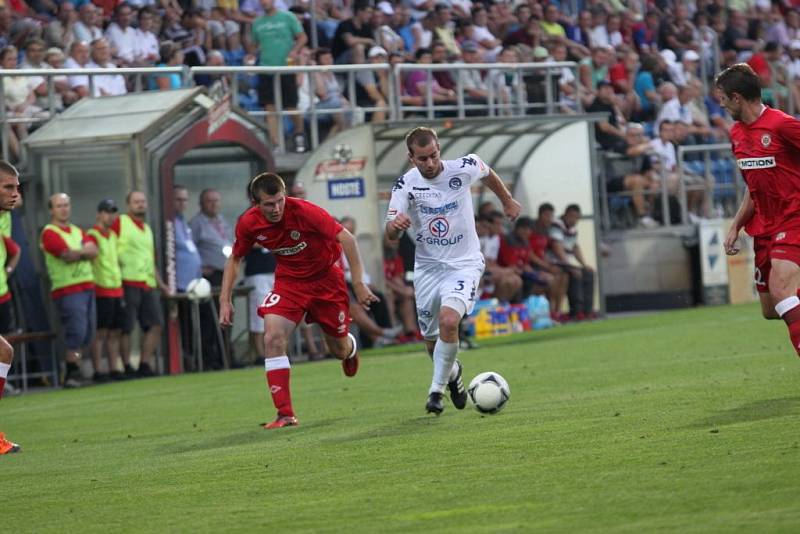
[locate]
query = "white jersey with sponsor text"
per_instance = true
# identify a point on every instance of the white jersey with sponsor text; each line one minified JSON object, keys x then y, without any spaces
{"x":441,"y":212}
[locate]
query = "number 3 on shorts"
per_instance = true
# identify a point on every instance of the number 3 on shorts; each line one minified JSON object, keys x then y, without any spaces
{"x":271,"y":300}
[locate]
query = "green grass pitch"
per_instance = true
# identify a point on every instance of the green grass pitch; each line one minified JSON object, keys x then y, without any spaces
{"x":681,"y":421}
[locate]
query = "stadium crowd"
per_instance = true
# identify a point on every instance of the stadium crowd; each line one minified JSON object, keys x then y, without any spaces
{"x":640,"y":63}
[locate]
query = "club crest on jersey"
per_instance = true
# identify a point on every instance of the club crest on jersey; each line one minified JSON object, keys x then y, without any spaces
{"x":439,"y":227}
{"x":294,"y":234}
{"x":766,"y":140}
{"x":261,"y":237}
{"x":781,"y":236}
{"x":455,"y":183}
{"x":341,"y":316}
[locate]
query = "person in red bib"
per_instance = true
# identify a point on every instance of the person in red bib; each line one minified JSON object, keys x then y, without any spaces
{"x":766,"y":145}
{"x":307,"y":243}
{"x":9,"y":198}
{"x":68,"y":256}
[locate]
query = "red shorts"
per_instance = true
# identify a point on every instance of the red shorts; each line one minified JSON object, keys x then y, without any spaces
{"x":324,"y":301}
{"x":781,"y":246}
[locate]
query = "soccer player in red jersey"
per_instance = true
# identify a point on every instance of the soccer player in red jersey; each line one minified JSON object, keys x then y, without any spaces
{"x":307,"y":243}
{"x":9,"y":197}
{"x":766,"y":144}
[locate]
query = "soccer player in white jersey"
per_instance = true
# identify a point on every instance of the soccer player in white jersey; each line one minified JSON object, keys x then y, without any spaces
{"x":433,"y":201}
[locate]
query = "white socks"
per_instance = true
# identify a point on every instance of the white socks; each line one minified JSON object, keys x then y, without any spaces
{"x":278,"y":362}
{"x":444,"y":357}
{"x":787,"y":304}
{"x":4,"y":367}
{"x":355,"y":346}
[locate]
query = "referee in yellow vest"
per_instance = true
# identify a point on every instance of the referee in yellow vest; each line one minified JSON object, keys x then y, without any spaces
{"x":140,"y":280}
{"x":68,"y":256}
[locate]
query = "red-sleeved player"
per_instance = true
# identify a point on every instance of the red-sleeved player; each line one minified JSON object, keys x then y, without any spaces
{"x":307,"y":243}
{"x":766,"y":144}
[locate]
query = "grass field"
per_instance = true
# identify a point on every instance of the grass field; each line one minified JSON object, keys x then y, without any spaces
{"x":679,"y":421}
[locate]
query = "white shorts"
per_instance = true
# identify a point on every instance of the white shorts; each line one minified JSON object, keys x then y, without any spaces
{"x":261,"y":284}
{"x":433,"y":285}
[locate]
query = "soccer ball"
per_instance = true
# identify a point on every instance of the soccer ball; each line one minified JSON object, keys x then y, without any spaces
{"x":489,"y":392}
{"x":199,"y":289}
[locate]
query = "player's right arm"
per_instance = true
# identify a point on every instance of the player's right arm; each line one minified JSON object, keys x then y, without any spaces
{"x":241,"y":246}
{"x":397,"y":219}
{"x":743,"y":215}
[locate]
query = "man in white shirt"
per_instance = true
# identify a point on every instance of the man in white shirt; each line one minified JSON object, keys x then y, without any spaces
{"x":101,"y":58}
{"x":78,"y":59}
{"x":85,"y":29}
{"x":146,"y":51}
{"x":122,"y":36}
{"x":433,"y":201}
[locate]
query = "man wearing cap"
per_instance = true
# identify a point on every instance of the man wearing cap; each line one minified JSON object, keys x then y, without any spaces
{"x":140,"y":279}
{"x":108,"y":294}
{"x":68,"y":256}
{"x":371,"y":84}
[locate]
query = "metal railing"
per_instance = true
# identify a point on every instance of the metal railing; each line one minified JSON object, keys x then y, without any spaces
{"x":721,"y":184}
{"x":394,"y":109}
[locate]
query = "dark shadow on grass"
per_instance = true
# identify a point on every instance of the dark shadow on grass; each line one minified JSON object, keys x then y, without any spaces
{"x":754,"y":411}
{"x":199,"y":441}
{"x":402,"y":428}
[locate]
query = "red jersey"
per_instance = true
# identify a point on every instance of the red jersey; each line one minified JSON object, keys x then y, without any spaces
{"x":304,"y":241}
{"x":768,"y":154}
{"x":513,"y":252}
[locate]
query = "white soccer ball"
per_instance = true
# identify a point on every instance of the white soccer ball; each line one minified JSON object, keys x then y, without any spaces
{"x":489,"y":392}
{"x":199,"y":289}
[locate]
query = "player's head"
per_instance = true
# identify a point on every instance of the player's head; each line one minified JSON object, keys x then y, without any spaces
{"x":60,"y":207}
{"x":268,"y":192}
{"x":137,"y":203}
{"x":423,"y":151}
{"x":9,"y":186}
{"x":738,"y":86}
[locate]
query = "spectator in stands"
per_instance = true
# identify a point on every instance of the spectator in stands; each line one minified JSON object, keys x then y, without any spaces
{"x":566,"y":252}
{"x":677,"y":31}
{"x":330,"y":94}
{"x":515,"y":253}
{"x":422,"y":32}
{"x":443,"y":30}
{"x":78,"y":59}
{"x":400,"y":298}
{"x":20,"y":94}
{"x":540,"y":245}
{"x":677,"y":108}
{"x":112,"y":85}
{"x":222,"y":24}
{"x":108,"y":292}
{"x":384,"y":35}
{"x":503,"y":283}
{"x":64,"y":96}
{"x":637,"y":179}
{"x":212,"y":234}
{"x":402,"y":24}
{"x":529,"y":35}
{"x":372,"y":86}
{"x":141,"y":281}
{"x":146,"y":48}
{"x":609,"y":133}
{"x":416,"y":83}
{"x":60,"y":32}
{"x":476,"y":90}
{"x":34,"y":55}
{"x":507,"y":83}
{"x":354,"y":36}
{"x":171,"y":56}
{"x":68,"y":255}
{"x":122,"y":36}
{"x":622,"y":76}
{"x":645,"y":34}
{"x":279,"y":38}
{"x":735,"y":41}
{"x":645,"y":87}
{"x":85,"y":29}
{"x":594,"y":69}
{"x":444,"y":78}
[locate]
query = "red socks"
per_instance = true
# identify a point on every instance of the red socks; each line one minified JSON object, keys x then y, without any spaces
{"x":2,"y":386}
{"x":278,"y":370}
{"x":789,"y":310}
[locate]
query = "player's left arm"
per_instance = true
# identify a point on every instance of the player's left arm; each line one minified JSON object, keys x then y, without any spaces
{"x":363,"y":293}
{"x":511,"y":207}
